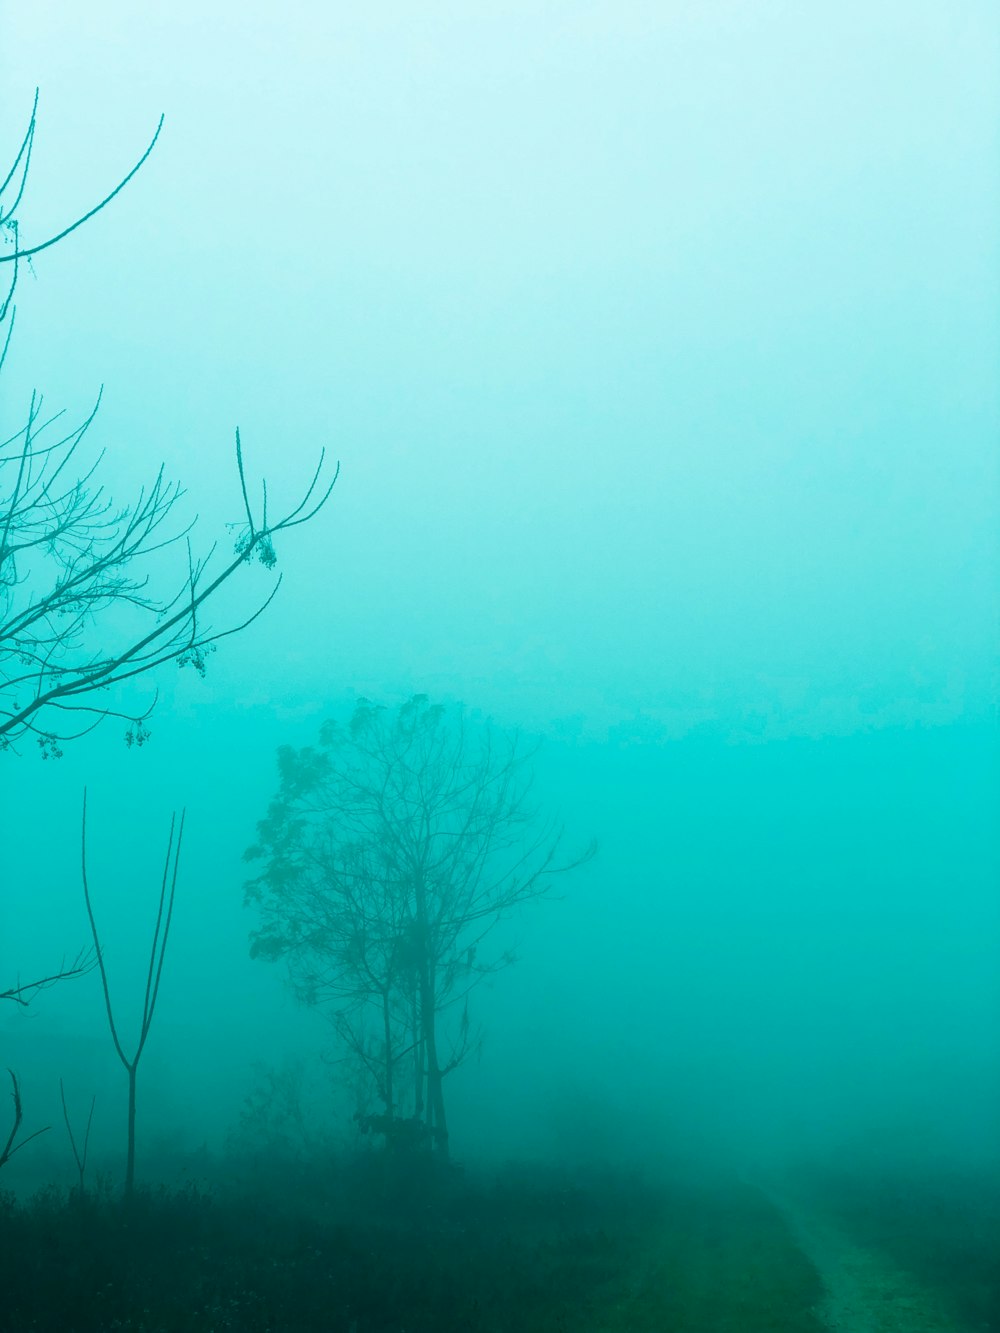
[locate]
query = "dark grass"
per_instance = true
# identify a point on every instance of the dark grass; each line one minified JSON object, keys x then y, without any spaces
{"x":942,"y":1225}
{"x":343,"y":1250}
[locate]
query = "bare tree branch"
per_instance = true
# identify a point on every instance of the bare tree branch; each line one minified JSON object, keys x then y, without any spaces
{"x":12,"y":1146}
{"x":23,"y":158}
{"x":23,"y":992}
{"x":70,"y":559}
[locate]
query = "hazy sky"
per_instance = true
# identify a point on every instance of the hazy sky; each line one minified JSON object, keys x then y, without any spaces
{"x":658,"y":342}
{"x":659,"y":347}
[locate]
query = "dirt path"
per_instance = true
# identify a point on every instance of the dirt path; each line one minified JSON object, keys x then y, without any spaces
{"x":866,"y":1291}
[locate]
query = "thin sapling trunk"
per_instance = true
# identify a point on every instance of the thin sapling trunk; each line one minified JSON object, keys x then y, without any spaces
{"x":164,"y":915}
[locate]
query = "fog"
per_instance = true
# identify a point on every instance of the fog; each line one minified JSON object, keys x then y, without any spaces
{"x":658,"y":347}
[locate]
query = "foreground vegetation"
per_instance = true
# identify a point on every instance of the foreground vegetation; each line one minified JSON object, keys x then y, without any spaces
{"x":519,"y":1251}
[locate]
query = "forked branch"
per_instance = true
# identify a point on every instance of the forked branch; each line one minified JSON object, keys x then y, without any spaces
{"x":80,"y":1157}
{"x":154,"y":971}
{"x":12,"y":1146}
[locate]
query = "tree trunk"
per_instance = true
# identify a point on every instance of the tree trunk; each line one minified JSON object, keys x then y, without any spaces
{"x":130,"y":1159}
{"x":436,"y":1120}
{"x":418,"y":1057}
{"x":435,"y":1092}
{"x":435,"y":1089}
{"x":387,"y":1035}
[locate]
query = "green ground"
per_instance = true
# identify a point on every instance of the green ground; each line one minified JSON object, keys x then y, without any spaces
{"x":518,"y":1253}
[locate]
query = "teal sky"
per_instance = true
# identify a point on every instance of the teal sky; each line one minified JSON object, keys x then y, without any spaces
{"x":658,"y":342}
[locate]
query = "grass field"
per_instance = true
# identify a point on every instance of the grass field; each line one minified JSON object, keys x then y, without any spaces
{"x":519,"y":1252}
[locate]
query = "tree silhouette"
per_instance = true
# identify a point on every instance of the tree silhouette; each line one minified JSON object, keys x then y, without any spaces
{"x":390,"y":854}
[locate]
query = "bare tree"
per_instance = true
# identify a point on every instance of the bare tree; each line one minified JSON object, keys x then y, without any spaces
{"x":70,"y":558}
{"x":391,"y":852}
{"x":77,"y":613}
{"x":71,"y":561}
{"x":164,"y":916}
{"x":12,"y":189}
